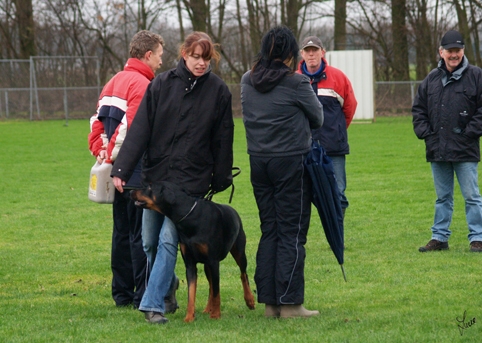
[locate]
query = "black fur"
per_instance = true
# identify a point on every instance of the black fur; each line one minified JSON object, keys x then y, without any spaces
{"x":207,"y":232}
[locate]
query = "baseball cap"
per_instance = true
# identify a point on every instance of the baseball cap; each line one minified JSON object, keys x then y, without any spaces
{"x":311,"y":41}
{"x":452,"y":39}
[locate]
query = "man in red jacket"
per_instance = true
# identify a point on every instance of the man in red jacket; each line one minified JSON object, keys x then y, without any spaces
{"x":335,"y":93}
{"x":117,"y":106}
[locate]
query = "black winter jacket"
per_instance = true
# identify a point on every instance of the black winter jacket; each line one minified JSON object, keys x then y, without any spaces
{"x":447,"y":113}
{"x":183,"y":130}
{"x":279,"y":111}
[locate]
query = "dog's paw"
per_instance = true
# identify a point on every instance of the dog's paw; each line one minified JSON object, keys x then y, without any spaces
{"x":189,"y":318}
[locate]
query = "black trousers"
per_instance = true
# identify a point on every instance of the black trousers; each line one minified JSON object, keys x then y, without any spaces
{"x":128,"y":260}
{"x":283,"y":194}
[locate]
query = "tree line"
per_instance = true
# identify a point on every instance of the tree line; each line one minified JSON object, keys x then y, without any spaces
{"x":404,"y":34}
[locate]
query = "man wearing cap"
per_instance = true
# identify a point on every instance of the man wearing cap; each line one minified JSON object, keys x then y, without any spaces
{"x":335,"y":93}
{"x":447,"y":114}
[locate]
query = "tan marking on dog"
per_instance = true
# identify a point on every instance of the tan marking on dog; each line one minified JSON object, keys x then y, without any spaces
{"x":248,"y":295}
{"x":191,"y":302}
{"x":203,"y":248}
{"x":182,"y":246}
{"x":149,"y":203}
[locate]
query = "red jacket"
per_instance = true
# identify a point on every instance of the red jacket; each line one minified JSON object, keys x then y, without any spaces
{"x":335,"y":93}
{"x":117,"y":106}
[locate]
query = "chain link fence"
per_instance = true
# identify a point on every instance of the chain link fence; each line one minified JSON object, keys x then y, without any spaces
{"x":395,"y":97}
{"x":49,"y":87}
{"x":67,"y":87}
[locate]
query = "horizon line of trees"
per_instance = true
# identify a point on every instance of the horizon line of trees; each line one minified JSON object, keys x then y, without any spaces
{"x":404,"y":34}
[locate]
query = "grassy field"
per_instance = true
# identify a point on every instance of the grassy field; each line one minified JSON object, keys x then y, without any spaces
{"x":55,"y":252}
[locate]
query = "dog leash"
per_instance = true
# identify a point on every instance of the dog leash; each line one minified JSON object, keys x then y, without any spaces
{"x":190,"y":211}
{"x":210,"y":194}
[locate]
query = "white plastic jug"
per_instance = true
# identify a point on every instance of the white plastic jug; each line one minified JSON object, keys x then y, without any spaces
{"x":101,"y":187}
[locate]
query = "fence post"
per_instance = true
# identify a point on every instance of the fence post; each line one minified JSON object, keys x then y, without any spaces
{"x":36,"y":91}
{"x":412,"y":86}
{"x":31,"y":87}
{"x":6,"y":104}
{"x":97,"y":63}
{"x":66,"y":107}
{"x":66,"y":100}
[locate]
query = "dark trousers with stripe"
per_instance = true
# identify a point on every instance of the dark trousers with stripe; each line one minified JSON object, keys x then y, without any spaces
{"x":282,"y":190}
{"x":128,"y":259}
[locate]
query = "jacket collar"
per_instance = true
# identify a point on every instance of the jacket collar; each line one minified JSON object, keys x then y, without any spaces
{"x":318,"y":76}
{"x":185,"y":74}
{"x":134,"y":64}
{"x":456,"y":74}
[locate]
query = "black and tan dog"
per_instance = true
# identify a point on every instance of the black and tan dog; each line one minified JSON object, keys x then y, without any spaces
{"x":207,"y":232}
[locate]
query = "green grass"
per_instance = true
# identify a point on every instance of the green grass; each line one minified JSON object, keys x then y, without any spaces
{"x":55,"y":251}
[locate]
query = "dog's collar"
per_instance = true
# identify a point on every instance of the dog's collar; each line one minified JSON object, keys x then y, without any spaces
{"x":190,"y":211}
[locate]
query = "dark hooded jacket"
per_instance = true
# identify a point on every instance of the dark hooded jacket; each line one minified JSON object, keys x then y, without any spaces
{"x":447,"y":113}
{"x":183,"y":131}
{"x":281,"y":111}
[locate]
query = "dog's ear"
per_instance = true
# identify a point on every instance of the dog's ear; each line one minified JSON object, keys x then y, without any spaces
{"x":166,"y":193}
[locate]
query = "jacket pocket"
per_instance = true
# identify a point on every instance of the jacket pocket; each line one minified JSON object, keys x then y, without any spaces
{"x":431,"y":147}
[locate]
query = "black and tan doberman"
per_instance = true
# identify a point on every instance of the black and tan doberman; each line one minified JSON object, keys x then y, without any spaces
{"x":207,"y":233}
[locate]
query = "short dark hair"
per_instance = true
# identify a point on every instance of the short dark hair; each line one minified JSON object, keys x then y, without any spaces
{"x":279,"y":43}
{"x":144,"y":41}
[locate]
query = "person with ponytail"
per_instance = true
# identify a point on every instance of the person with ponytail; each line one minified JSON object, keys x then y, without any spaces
{"x":279,"y":111}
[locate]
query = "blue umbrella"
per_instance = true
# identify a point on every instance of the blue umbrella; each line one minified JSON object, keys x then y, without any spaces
{"x":326,"y":198}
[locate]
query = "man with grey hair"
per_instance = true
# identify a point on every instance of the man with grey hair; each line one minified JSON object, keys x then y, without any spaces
{"x":117,"y":106}
{"x":335,"y":93}
{"x":447,"y":115}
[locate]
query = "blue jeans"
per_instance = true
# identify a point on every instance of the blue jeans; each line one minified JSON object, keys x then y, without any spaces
{"x":467,"y":176}
{"x":340,"y":175}
{"x":160,"y":239}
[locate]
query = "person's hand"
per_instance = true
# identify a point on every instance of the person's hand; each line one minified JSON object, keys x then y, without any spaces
{"x":102,"y":156}
{"x":118,"y":183}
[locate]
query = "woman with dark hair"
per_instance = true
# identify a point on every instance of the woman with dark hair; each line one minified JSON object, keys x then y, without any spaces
{"x":279,"y":111}
{"x":183,"y":131}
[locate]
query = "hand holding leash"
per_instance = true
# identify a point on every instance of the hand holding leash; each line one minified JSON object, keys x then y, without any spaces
{"x":118,"y":183}
{"x":210,"y":194}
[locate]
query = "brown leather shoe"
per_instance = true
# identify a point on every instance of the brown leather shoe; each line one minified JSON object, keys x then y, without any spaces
{"x":476,"y":246}
{"x":433,"y":245}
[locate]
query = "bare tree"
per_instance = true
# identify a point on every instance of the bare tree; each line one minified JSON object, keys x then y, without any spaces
{"x":398,"y":31}
{"x":242,"y":36}
{"x":372,"y":29}
{"x":179,"y":18}
{"x":464,"y":29}
{"x":26,"y":28}
{"x":145,"y":13}
{"x":17,"y":29}
{"x":258,"y":22}
{"x":291,"y":10}
{"x":340,"y":25}
{"x":8,"y":36}
{"x":475,"y":7}
{"x":198,"y":12}
{"x":399,"y":41}
{"x":422,"y":37}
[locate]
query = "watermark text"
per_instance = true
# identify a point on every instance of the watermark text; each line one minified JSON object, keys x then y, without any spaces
{"x":464,"y":323}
